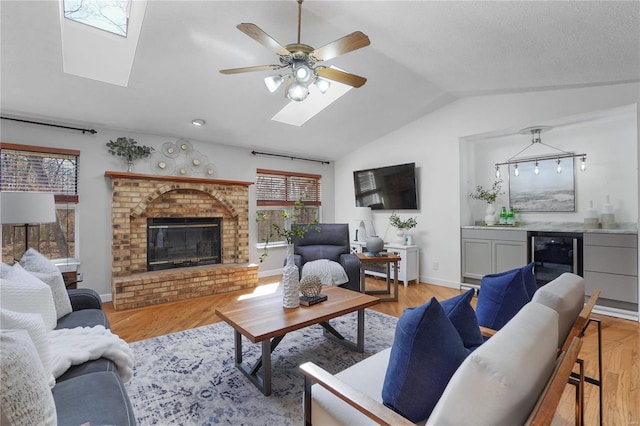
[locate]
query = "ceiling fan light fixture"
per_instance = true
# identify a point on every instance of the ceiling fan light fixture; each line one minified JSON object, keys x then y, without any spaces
{"x":322,"y":84}
{"x":273,"y":82}
{"x":297,"y":92}
{"x":302,"y":72}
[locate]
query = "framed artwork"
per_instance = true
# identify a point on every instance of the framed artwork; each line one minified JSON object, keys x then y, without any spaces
{"x":547,"y":191}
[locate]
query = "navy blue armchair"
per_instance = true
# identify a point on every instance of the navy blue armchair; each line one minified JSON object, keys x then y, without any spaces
{"x":331,"y":242}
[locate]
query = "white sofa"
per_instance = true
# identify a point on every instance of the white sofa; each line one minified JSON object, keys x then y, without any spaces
{"x":497,"y":384}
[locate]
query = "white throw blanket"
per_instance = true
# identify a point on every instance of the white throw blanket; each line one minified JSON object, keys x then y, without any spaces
{"x":73,"y":346}
{"x":329,"y":272}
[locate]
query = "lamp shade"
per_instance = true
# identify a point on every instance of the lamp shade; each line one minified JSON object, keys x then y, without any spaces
{"x":20,"y":208}
{"x":363,"y":213}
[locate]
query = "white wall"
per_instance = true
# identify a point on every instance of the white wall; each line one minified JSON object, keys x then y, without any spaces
{"x":433,"y":142}
{"x":609,"y":138}
{"x":94,"y":208}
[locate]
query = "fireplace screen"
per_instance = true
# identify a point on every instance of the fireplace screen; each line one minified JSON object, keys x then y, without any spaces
{"x":178,"y":242}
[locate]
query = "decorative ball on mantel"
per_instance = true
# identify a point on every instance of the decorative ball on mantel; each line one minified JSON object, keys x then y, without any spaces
{"x":310,"y":285}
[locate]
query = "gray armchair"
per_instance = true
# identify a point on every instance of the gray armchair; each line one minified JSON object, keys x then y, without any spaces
{"x":332,"y":242}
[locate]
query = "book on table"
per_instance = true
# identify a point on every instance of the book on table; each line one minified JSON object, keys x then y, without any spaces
{"x":308,"y":301}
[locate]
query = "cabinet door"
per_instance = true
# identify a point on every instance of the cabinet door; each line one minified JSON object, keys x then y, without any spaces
{"x":476,"y":258}
{"x":508,"y":255}
{"x":402,"y":270}
{"x":623,"y":288}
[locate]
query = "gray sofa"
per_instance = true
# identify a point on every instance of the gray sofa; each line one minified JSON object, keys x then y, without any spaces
{"x":331,"y":242}
{"x":91,"y":392}
{"x":498,"y":383}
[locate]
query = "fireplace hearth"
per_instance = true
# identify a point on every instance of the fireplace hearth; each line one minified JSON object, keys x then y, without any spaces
{"x":182,"y":242}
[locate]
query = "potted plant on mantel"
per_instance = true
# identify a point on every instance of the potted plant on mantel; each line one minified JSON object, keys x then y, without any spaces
{"x":402,"y":225}
{"x":129,"y":149}
{"x":291,"y":229}
{"x":489,"y":196}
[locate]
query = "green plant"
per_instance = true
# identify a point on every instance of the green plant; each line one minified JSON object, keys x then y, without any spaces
{"x":488,"y":195}
{"x":291,"y":229}
{"x":128,"y":148}
{"x":395,"y":221}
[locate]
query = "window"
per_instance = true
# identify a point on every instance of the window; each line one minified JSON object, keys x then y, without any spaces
{"x":277,"y":193}
{"x":41,"y":169}
{"x":111,"y":16}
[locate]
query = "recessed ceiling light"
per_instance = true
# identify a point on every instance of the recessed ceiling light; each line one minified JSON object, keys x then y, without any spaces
{"x":198,"y":122}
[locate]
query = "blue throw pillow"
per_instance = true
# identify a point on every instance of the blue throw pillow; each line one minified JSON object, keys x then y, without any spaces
{"x":500,"y":298}
{"x":426,"y":351}
{"x":463,"y":317}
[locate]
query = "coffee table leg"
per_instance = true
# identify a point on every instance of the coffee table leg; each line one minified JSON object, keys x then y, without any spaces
{"x":266,"y":367}
{"x":360,"y":332}
{"x":261,"y":381}
{"x":237,"y":343}
{"x":333,"y":334}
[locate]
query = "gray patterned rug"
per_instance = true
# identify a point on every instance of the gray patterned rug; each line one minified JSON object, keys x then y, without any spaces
{"x":189,"y":378}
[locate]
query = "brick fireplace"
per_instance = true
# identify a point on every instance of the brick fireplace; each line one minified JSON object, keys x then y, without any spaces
{"x":138,"y":197}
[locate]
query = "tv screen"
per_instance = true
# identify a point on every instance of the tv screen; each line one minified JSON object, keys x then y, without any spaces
{"x":387,"y":188}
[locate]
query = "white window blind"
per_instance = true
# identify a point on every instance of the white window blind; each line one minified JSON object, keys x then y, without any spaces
{"x":279,"y":188}
{"x":41,"y":169}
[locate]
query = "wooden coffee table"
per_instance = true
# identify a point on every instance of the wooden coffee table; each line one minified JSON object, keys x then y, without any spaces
{"x":263,"y":319}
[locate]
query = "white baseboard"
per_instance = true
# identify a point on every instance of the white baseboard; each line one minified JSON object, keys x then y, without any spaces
{"x":107,"y":297}
{"x":614,"y":312}
{"x":440,"y":282}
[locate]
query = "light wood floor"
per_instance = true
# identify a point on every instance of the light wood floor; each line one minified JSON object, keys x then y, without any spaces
{"x":620,"y":341}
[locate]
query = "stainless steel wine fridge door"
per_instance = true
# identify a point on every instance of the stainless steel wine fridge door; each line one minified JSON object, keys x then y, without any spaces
{"x":555,"y":254}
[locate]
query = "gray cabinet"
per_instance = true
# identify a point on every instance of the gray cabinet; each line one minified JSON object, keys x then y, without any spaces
{"x":611,"y":265}
{"x":490,"y":251}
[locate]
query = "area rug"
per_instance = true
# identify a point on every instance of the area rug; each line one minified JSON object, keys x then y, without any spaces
{"x":189,"y":378}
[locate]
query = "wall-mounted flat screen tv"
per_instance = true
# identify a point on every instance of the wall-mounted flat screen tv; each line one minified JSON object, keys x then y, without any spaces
{"x":387,"y":188}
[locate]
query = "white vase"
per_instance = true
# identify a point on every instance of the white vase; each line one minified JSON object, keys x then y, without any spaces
{"x":400,"y":233}
{"x":490,"y":218}
{"x":290,"y":281}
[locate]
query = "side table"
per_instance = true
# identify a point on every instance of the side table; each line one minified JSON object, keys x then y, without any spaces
{"x":388,"y":259}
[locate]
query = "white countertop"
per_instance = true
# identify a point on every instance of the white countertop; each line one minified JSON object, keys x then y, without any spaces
{"x":621,"y":228}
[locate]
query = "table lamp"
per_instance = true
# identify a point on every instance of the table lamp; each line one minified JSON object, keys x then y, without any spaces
{"x":24,"y":209}
{"x":364,"y":220}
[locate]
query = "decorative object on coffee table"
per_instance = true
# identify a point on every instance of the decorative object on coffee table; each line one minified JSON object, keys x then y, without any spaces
{"x":310,"y":287}
{"x":291,"y":228}
{"x":129,"y":149}
{"x":290,"y":281}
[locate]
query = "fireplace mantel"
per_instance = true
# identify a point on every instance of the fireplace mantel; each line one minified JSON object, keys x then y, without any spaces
{"x":186,"y":179}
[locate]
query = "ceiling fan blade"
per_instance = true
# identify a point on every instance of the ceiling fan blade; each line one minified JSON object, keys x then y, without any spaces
{"x":251,"y":69}
{"x":253,"y":31}
{"x":341,"y":76}
{"x":341,"y":46}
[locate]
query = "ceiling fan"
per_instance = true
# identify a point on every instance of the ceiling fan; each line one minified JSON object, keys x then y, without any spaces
{"x":301,"y":62}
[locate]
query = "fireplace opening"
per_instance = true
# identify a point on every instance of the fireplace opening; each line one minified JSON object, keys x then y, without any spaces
{"x":180,"y":242}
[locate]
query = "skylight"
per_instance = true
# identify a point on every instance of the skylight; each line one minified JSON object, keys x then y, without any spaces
{"x":107,"y":15}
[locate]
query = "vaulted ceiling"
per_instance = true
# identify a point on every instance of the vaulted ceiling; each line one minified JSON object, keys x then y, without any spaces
{"x":423,"y":55}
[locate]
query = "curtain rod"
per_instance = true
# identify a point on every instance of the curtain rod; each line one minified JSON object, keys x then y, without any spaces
{"x":92,"y":131}
{"x":290,"y":157}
